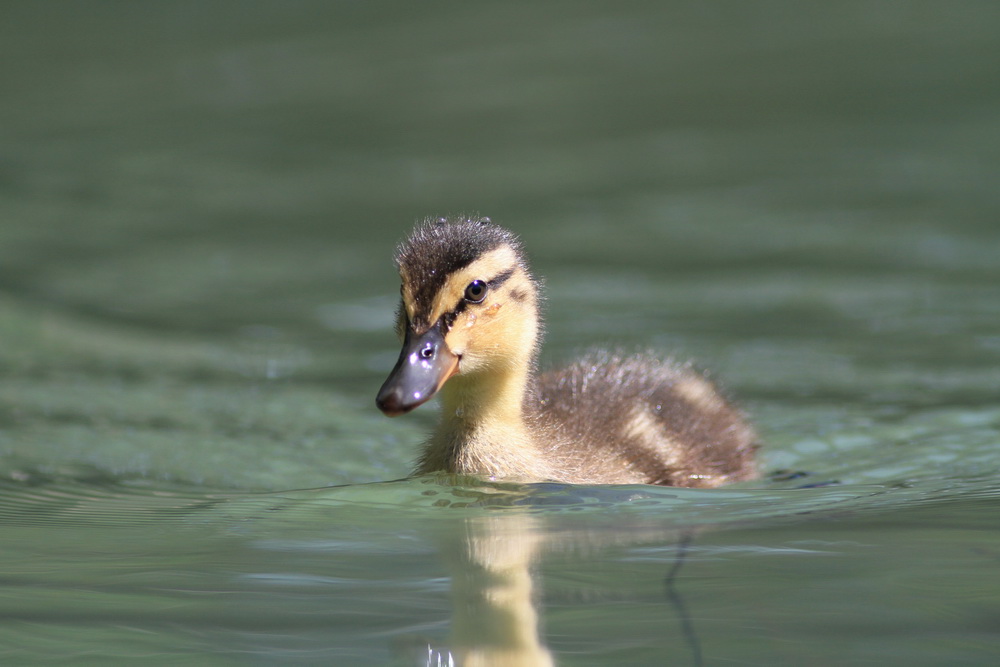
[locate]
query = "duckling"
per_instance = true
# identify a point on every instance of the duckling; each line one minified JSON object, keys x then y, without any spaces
{"x":469,"y":323}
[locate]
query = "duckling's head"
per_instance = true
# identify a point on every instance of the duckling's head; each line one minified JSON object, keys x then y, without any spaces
{"x":468,"y":309}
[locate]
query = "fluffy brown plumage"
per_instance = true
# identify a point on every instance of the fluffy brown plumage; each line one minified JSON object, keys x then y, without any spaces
{"x":469,"y":322}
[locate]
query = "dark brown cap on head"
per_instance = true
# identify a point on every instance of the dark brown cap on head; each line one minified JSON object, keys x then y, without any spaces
{"x":440,"y":246}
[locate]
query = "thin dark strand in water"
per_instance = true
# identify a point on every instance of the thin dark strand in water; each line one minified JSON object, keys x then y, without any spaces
{"x":677,"y":601}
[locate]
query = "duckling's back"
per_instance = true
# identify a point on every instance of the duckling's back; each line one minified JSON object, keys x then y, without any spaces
{"x":637,"y":419}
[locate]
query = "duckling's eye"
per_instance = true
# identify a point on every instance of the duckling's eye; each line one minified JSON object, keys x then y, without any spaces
{"x":476,"y":291}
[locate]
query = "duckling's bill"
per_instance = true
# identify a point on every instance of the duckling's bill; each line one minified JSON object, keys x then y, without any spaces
{"x":425,"y":364}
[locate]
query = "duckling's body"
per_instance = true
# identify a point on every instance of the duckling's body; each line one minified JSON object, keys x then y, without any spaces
{"x":470,"y":325}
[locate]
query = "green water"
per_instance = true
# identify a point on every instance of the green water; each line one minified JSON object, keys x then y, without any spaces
{"x":198,"y":206}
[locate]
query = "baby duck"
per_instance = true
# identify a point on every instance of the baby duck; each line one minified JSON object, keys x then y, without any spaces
{"x":469,"y":323}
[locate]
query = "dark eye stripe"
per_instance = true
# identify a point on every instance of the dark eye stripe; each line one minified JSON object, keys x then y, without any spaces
{"x":501,"y":279}
{"x":449,"y":318}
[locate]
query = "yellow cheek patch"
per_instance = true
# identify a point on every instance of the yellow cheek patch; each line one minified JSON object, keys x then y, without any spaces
{"x":457,"y":340}
{"x":407,"y":294}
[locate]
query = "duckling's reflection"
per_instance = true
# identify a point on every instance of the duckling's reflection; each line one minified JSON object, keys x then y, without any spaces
{"x":495,"y":621}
